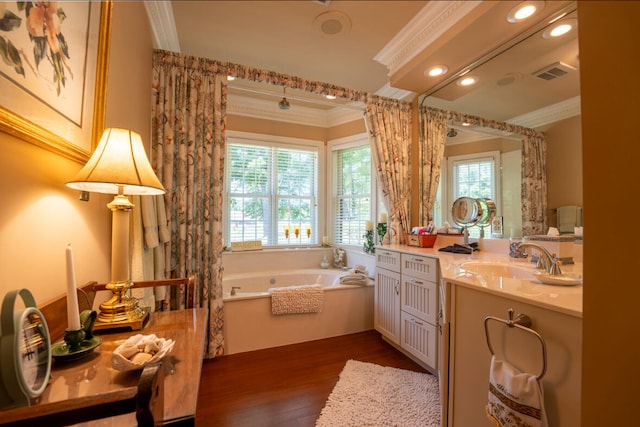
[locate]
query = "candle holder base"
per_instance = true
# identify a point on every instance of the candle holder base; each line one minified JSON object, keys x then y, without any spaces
{"x":368,"y":247}
{"x":73,"y":339}
{"x":62,"y":352}
{"x":382,"y":231}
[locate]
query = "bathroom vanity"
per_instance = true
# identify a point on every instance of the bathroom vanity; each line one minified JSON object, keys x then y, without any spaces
{"x":467,"y":289}
{"x":406,"y":302}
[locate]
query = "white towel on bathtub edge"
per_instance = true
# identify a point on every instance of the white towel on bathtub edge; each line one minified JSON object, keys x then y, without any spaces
{"x":516,"y":398}
{"x":297,"y":299}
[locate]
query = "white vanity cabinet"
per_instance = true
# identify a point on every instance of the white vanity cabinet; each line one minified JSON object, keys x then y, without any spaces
{"x":386,"y":318}
{"x":406,"y":302}
{"x":419,"y":305}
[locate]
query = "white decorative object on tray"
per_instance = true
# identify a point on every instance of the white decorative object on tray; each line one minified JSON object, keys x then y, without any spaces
{"x":138,"y":351}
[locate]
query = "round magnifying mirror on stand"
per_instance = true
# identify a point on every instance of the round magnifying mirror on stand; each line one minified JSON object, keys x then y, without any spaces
{"x":466,"y":212}
{"x":488,"y":212}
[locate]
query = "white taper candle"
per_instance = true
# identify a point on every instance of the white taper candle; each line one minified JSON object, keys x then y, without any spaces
{"x":73,"y":313}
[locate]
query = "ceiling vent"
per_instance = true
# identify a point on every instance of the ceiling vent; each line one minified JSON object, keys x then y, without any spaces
{"x":553,"y":71}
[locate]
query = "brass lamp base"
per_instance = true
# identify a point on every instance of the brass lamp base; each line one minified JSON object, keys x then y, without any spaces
{"x":121,"y":311}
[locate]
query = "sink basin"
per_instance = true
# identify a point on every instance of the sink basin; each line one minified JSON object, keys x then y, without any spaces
{"x":521,"y":272}
{"x":560,"y":280}
{"x":499,"y":269}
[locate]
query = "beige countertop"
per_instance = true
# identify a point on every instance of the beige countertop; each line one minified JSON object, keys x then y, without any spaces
{"x":565,"y":299}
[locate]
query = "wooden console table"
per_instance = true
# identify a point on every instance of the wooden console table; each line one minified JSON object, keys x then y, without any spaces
{"x":92,"y":382}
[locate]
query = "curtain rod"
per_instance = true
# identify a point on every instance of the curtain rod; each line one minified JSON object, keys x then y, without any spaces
{"x":164,"y":57}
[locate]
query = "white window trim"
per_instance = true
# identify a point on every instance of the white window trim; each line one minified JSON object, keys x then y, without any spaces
{"x":287,"y":142}
{"x":342,"y":144}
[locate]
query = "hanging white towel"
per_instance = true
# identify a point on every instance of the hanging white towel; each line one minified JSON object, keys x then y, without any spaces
{"x":160,"y":270}
{"x":516,"y":398}
{"x":141,"y":256}
{"x":297,"y":299}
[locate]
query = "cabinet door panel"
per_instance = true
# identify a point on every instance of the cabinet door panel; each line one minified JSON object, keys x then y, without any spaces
{"x":419,"y":338}
{"x":388,"y":260}
{"x":419,"y":298}
{"x":387,"y":304}
{"x":420,"y":266}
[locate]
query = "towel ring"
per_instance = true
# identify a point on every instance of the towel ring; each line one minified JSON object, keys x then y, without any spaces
{"x":523,"y":322}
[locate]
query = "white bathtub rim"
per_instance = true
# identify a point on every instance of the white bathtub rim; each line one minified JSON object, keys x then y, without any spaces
{"x":227,"y":297}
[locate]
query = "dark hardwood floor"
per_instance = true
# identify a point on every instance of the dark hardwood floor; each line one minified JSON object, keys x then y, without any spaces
{"x":285,"y":386}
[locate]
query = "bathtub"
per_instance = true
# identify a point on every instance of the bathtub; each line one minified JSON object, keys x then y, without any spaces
{"x":249,"y":324}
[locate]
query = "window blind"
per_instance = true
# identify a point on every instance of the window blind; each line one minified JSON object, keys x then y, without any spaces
{"x":270,"y":188}
{"x":352,"y":194}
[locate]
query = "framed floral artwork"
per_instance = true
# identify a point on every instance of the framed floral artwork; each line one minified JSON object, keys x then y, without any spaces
{"x":53,"y":63}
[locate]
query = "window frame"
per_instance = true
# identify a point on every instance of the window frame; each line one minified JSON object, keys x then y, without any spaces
{"x":352,"y":141}
{"x":448,"y":186}
{"x":265,"y":140}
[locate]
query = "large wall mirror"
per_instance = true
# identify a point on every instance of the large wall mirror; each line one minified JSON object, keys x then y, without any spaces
{"x":531,"y":82}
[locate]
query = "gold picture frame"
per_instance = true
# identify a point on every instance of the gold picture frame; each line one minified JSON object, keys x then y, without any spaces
{"x":26,"y":115}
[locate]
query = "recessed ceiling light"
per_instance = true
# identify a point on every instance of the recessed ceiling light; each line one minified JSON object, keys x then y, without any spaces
{"x":560,"y":28}
{"x":330,"y":96}
{"x":468,"y":80}
{"x":524,"y":10}
{"x":437,"y":70}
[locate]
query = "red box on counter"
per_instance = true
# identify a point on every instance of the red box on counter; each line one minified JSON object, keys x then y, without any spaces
{"x":421,"y":240}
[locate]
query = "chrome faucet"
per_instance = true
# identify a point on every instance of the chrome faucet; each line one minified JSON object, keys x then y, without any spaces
{"x":233,"y":290}
{"x":546,"y":261}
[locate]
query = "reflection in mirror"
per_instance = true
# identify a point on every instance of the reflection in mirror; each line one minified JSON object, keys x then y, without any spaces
{"x":535,"y":84}
{"x":466,"y":211}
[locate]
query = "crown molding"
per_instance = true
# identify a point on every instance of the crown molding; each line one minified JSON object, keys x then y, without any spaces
{"x":553,"y":113}
{"x":534,"y":120}
{"x":393,"y":92}
{"x":163,"y":25}
{"x":426,"y":27}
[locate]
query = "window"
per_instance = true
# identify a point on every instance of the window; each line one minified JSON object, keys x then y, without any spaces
{"x":353,"y":187}
{"x":473,"y":178}
{"x":474,"y":175}
{"x":271,"y":187}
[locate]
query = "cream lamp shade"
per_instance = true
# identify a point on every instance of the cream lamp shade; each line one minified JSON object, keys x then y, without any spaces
{"x":118,"y":165}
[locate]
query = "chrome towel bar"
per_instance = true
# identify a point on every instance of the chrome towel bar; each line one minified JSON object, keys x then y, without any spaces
{"x":523,"y":322}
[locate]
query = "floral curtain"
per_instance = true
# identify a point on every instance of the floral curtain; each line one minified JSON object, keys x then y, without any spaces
{"x":534,"y":185}
{"x":534,"y":176}
{"x":433,"y":134}
{"x":389,"y":127}
{"x":188,"y":147}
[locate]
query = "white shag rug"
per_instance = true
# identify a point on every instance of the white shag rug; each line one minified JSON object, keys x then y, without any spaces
{"x":371,"y":395}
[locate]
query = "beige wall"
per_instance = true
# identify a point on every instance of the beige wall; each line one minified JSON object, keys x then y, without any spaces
{"x":40,"y":215}
{"x":610,"y":91}
{"x":292,"y":130}
{"x":271,"y":127}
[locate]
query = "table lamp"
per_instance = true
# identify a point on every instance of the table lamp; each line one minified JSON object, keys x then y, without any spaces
{"x":119,"y":165}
